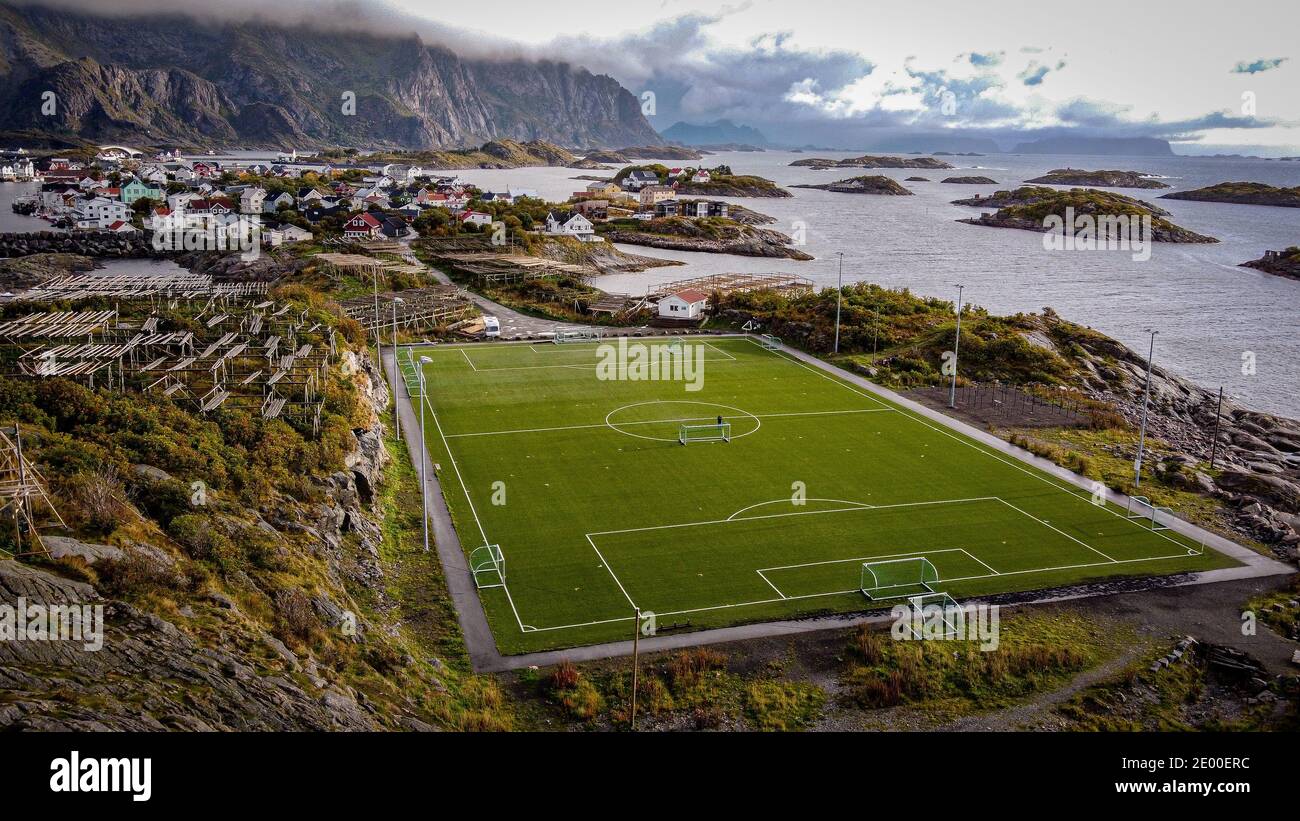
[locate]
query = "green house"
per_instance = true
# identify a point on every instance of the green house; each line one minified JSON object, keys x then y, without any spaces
{"x":136,"y":190}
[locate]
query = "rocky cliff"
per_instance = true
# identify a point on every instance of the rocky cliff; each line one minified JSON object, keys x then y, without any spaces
{"x":168,"y":79}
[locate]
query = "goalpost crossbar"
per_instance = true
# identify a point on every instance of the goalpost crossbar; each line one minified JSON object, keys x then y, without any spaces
{"x":580,"y":335}
{"x":704,"y":433}
{"x":938,"y":615}
{"x":1141,"y":507}
{"x":488,"y":566}
{"x":898,"y":578}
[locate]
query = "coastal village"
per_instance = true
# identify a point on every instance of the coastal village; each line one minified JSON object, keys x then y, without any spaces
{"x":297,"y":199}
{"x":176,"y":203}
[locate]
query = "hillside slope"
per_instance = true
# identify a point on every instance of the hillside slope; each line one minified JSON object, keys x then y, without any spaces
{"x":161,"y":80}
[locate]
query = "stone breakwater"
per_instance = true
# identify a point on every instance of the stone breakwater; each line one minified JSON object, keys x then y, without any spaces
{"x":103,"y":244}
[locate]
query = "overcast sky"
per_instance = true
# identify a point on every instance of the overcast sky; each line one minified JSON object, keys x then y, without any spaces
{"x":1211,"y":76}
{"x":1160,"y":68}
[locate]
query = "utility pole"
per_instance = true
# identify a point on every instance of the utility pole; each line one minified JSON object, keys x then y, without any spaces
{"x":1146,"y":401}
{"x":397,"y":412}
{"x":839,"y":295}
{"x":1218,"y":416}
{"x":636,"y":652}
{"x":374,"y":278}
{"x":956,"y":348}
{"x":875,"y":331}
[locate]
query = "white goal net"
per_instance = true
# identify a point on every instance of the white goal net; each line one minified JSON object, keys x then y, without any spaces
{"x":704,"y":433}
{"x":898,"y":578}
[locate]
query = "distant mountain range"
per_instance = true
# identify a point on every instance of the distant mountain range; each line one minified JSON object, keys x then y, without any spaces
{"x":718,"y":132}
{"x":1097,"y":146}
{"x":172,"y":81}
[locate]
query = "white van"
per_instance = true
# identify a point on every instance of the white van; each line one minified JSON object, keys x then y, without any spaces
{"x":491,"y":327}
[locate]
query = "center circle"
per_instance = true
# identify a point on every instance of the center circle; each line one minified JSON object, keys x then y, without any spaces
{"x":686,"y":416}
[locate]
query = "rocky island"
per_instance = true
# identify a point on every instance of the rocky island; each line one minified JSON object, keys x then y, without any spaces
{"x":863,"y":185}
{"x":1241,"y":193}
{"x":970,"y":181}
{"x":712,"y":182}
{"x":497,"y":154}
{"x":1028,"y":208}
{"x":733,"y":185}
{"x":1280,"y":263}
{"x":1098,"y":179}
{"x":644,"y":152}
{"x":711,"y":235}
{"x":871,"y":161}
{"x":1031,"y":194}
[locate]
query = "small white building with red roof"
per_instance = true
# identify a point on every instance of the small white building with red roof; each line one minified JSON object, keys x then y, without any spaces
{"x":686,"y":304}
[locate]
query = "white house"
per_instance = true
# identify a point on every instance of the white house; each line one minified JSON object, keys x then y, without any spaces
{"x":179,"y":202}
{"x":570,"y":225}
{"x":285,"y":233}
{"x":701,"y":176}
{"x":402,"y":174}
{"x":476,"y":218}
{"x":252,"y":200}
{"x":640,"y":178}
{"x":686,"y":304}
{"x":120,"y":227}
{"x":102,"y":212}
{"x":165,"y":219}
{"x":20,"y":170}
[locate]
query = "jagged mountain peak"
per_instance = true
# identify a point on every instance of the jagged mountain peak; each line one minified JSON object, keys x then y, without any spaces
{"x":175,"y":80}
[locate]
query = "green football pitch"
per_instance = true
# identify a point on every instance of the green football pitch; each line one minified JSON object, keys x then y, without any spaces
{"x":574,"y":470}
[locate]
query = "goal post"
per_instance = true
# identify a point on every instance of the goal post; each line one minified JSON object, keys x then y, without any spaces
{"x":704,"y":433}
{"x":898,"y":578}
{"x":488,"y":566}
{"x":1156,"y":516}
{"x":770,"y":342}
{"x":579,"y":335}
{"x":935,"y":615}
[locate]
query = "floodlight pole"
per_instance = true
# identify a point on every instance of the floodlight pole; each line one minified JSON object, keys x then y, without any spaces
{"x":1146,"y":401}
{"x":875,"y":331}
{"x":1214,"y":445}
{"x":424,"y":457}
{"x":636,"y":653}
{"x":956,"y":348}
{"x":839,"y":296}
{"x":374,"y":277}
{"x":397,"y":413}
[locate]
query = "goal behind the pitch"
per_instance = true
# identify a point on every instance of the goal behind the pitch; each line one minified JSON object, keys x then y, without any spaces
{"x":579,"y":335}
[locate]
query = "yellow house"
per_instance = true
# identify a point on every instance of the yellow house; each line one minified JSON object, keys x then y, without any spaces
{"x":652,"y":195}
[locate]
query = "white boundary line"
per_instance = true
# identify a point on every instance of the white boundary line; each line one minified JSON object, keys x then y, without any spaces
{"x":782,"y":355}
{"x":856,"y":507}
{"x":783,"y":597}
{"x":452,"y":458}
{"x":576,"y":348}
{"x":788,"y":500}
{"x":1071,"y":491}
{"x":611,"y":573}
{"x":884,"y":407}
{"x":666,"y":421}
